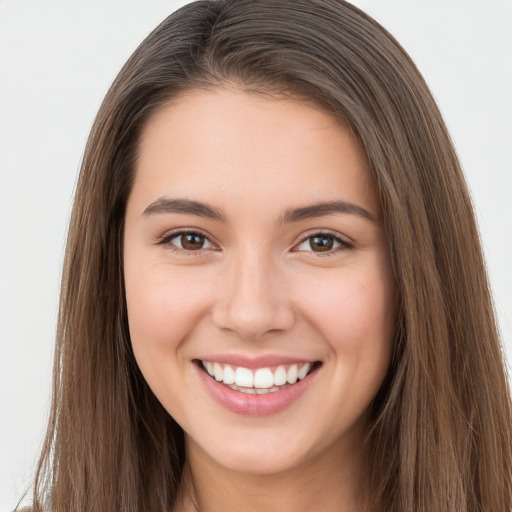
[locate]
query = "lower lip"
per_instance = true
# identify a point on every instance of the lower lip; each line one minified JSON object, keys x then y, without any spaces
{"x":254,"y":404}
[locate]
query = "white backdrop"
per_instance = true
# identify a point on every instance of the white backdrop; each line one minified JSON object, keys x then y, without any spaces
{"x":57,"y":59}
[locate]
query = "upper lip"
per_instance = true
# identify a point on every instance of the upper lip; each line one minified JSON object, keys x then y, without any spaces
{"x":253,"y":362}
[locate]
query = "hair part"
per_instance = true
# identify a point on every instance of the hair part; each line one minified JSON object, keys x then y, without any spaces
{"x":441,"y":436}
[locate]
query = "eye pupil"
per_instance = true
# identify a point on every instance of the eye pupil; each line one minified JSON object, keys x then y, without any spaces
{"x":192,"y":241}
{"x":321,"y":243}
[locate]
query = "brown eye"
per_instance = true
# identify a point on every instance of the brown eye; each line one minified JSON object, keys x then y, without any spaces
{"x":190,"y":241}
{"x":322,"y":242}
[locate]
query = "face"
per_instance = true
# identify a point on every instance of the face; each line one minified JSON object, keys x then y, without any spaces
{"x":261,"y":301}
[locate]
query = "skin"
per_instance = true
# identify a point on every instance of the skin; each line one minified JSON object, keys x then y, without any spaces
{"x":254,"y":286}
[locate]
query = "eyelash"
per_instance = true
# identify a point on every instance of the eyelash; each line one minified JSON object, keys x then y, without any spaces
{"x":166,"y":240}
{"x":342,"y":244}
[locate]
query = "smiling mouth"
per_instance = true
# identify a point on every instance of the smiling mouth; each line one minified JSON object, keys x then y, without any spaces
{"x":260,"y":380}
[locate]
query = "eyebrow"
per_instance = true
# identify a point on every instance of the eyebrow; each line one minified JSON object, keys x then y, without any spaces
{"x":327,"y":208}
{"x":186,"y":206}
{"x":189,"y":207}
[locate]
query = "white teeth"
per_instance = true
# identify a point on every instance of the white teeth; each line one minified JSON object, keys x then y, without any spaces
{"x":209,"y":367}
{"x":229,"y":375}
{"x":291,"y":374}
{"x":218,"y":372}
{"x":263,"y":378}
{"x":249,"y":391}
{"x":244,"y":377}
{"x":280,"y":376}
{"x":260,"y":381}
{"x":253,"y":391}
{"x":303,"y":371}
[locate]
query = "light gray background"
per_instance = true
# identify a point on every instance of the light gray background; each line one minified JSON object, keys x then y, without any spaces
{"x":57,"y":59}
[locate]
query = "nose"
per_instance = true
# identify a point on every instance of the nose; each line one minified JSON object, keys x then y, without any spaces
{"x":253,"y":299}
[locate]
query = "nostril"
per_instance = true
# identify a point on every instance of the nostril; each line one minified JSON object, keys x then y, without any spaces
{"x":253,"y":311}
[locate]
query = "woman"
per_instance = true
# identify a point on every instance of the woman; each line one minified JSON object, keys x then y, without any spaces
{"x":273,"y":294}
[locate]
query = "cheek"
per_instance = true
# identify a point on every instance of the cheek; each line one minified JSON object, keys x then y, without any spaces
{"x":356,"y":317}
{"x":162,"y":309}
{"x":356,"y":313}
{"x":357,"y":306}
{"x":162,"y":313}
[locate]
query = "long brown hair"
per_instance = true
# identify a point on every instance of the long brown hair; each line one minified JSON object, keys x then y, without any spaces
{"x":441,"y":437}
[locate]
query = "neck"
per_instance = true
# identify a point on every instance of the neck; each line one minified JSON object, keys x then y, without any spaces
{"x":332,"y":482}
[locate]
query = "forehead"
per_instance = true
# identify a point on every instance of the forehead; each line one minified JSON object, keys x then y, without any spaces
{"x":227,"y":144}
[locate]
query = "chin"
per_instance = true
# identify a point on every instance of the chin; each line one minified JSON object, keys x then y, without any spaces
{"x":263,"y":454}
{"x":260,"y":463}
